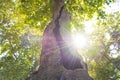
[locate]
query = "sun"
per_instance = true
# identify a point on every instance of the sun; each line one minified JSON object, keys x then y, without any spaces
{"x":79,"y":40}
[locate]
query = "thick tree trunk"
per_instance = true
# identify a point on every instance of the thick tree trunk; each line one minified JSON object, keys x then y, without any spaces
{"x":57,"y":59}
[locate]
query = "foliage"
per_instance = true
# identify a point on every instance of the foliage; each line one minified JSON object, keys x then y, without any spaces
{"x":22,"y":23}
{"x":83,"y":10}
{"x":16,"y":58}
{"x":104,"y":64}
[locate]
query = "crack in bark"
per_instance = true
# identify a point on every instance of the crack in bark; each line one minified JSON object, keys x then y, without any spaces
{"x":68,"y":61}
{"x":55,"y":27}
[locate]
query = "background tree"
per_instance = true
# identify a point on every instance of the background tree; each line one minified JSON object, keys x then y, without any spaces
{"x":106,"y":60}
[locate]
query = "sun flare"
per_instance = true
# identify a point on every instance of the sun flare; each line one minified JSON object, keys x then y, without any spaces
{"x":89,"y":26}
{"x":79,"y":41}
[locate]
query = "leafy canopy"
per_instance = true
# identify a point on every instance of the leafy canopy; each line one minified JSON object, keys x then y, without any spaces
{"x":22,"y":23}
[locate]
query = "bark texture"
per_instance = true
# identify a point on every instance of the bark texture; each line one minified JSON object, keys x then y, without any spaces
{"x":57,"y":59}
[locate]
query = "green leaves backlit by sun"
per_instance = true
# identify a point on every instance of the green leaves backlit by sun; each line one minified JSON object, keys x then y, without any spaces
{"x":80,"y":40}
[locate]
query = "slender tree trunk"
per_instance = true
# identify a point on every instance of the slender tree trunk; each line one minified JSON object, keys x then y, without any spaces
{"x":57,"y":61}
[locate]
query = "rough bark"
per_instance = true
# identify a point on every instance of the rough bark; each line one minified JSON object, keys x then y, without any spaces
{"x":52,"y":63}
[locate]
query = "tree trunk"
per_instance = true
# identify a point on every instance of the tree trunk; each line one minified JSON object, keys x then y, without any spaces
{"x":58,"y":60}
